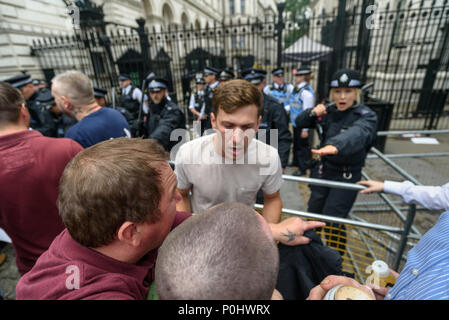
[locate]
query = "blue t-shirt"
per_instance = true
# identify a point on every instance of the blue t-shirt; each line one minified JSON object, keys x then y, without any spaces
{"x":101,"y":125}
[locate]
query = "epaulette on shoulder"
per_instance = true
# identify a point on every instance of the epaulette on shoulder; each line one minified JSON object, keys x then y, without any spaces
{"x":364,"y":110}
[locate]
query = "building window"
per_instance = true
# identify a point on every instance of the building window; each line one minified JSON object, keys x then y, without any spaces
{"x":242,"y":6}
{"x":231,"y":7}
{"x":233,"y":42}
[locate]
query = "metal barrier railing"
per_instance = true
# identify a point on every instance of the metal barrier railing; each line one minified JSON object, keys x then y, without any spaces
{"x":401,"y":235}
{"x":363,"y":229}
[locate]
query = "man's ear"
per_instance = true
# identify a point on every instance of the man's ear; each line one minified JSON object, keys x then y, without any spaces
{"x":213,"y":120}
{"x":128,"y":233}
{"x":25,"y":114}
{"x":67,"y":103}
{"x":258,"y":123}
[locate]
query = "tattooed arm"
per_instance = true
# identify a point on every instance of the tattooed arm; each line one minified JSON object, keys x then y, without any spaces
{"x":290,"y":231}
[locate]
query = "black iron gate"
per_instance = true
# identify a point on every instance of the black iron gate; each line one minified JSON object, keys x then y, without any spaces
{"x":403,"y":50}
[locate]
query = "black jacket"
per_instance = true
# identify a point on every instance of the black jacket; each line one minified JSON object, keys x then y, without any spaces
{"x":40,"y":119}
{"x":352,"y":132}
{"x":303,"y":267}
{"x":162,"y":119}
{"x":274,"y":117}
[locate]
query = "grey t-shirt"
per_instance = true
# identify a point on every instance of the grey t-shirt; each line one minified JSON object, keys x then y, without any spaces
{"x":216,"y":180}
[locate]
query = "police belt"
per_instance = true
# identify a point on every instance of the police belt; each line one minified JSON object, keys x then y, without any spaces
{"x":340,"y":168}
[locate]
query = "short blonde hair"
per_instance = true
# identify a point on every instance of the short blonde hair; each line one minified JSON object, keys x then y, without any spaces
{"x":76,"y":86}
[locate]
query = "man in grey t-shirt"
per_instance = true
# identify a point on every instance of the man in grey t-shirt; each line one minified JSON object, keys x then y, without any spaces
{"x":230,"y":165}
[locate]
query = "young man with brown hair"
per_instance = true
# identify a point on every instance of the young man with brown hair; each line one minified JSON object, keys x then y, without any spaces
{"x":231,"y":166}
{"x":30,"y":168}
{"x":117,"y":200}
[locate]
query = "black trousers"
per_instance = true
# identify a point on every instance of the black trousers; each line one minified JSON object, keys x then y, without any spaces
{"x":205,"y":125}
{"x":301,"y":149}
{"x":333,"y":202}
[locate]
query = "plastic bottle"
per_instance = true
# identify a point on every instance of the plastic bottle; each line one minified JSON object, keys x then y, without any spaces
{"x":380,"y":275}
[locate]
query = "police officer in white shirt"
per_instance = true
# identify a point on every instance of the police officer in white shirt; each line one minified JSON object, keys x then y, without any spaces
{"x":197,"y":104}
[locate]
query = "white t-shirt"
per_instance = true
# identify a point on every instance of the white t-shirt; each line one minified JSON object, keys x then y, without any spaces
{"x":215,"y":179}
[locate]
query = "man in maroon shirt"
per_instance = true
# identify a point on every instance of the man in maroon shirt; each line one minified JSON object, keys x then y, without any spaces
{"x":30,"y":168}
{"x":117,"y":200}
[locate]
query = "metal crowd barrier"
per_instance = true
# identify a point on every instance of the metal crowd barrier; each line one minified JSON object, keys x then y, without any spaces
{"x":363,"y":241}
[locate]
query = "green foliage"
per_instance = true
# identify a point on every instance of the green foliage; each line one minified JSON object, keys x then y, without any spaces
{"x":297,"y":13}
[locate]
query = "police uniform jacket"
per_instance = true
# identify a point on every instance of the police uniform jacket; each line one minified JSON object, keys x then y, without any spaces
{"x":275,"y":117}
{"x":40,"y":119}
{"x":209,"y":93}
{"x":163,"y":118}
{"x":352,"y":132}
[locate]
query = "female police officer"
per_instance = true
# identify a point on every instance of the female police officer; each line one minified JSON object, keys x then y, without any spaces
{"x":347,"y":132}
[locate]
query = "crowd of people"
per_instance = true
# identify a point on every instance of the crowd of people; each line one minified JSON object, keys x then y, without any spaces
{"x":95,"y":210}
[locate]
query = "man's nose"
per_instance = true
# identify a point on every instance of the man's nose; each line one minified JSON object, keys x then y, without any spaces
{"x":237,"y":136}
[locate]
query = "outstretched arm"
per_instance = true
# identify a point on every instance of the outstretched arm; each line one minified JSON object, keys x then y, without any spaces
{"x":290,"y":231}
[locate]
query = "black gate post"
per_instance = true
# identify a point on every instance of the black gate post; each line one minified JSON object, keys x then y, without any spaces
{"x":144,"y":46}
{"x":340,"y":37}
{"x":363,"y":41}
{"x":279,"y":28}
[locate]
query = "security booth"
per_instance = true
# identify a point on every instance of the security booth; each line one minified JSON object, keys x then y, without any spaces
{"x":243,"y":62}
{"x":160,"y":65}
{"x":197,"y":59}
{"x":131,"y":63}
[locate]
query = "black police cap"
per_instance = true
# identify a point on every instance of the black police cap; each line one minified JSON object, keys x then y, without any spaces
{"x":211,"y":70}
{"x":100,"y":92}
{"x":199,"y":80}
{"x":254,"y":75}
{"x":19,"y":81}
{"x":346,"y":78}
{"x":226,"y":74}
{"x":278,"y":72}
{"x":303,"y":70}
{"x":157,"y":84}
{"x":45,"y":96}
{"x":123,"y":77}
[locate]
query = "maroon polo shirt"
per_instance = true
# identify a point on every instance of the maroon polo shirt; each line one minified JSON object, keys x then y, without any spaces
{"x":30,"y":168}
{"x":70,"y":271}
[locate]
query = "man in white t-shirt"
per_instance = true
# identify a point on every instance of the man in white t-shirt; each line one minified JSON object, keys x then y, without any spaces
{"x":231,"y":166}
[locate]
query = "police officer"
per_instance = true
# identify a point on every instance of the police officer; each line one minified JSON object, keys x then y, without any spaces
{"x":164,"y":116}
{"x":210,"y":77}
{"x":39,"y":84}
{"x":29,"y":92}
{"x":225,"y":75}
{"x":56,"y":122}
{"x":130,"y":98}
{"x":346,"y":132}
{"x":301,"y":100}
{"x":273,"y":118}
{"x":197,"y":104}
{"x":279,"y":89}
